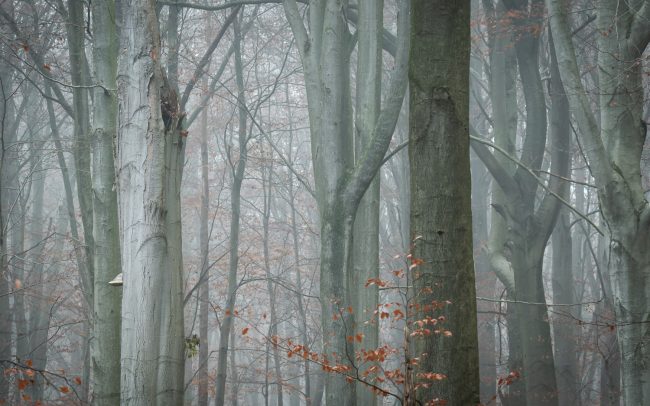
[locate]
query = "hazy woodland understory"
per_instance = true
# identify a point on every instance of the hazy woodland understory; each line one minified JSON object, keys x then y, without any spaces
{"x":324,"y":202}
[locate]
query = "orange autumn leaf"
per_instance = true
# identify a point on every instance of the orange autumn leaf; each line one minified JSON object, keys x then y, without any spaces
{"x":244,"y":331}
{"x":64,"y":389}
{"x":77,"y":380}
{"x":22,"y":384}
{"x":29,"y":363}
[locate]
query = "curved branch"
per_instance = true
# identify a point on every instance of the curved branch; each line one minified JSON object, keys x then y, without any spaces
{"x":199,"y":72}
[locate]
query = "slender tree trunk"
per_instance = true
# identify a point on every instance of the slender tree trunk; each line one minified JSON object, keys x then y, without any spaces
{"x":564,"y":328}
{"x":81,"y":151}
{"x":235,"y":207}
{"x":39,"y":310}
{"x":296,"y":257}
{"x":204,"y":293}
{"x":503,"y":93}
{"x":172,"y":372}
{"x":366,"y":224}
{"x":233,"y":368}
{"x":441,"y":220}
{"x":105,"y":345}
{"x":267,"y":181}
{"x":6,"y":123}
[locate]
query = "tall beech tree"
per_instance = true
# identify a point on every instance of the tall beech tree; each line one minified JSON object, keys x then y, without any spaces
{"x":149,"y":149}
{"x":441,"y":217}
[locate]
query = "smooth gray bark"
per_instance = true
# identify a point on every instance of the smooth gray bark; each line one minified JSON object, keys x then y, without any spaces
{"x":81,"y":111}
{"x":204,"y":292}
{"x":105,"y":345}
{"x":267,"y":186}
{"x":149,"y":174}
{"x":39,"y":308}
{"x":565,"y":333}
{"x":366,"y":224}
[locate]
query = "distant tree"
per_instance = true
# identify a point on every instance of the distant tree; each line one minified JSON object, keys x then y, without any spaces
{"x":613,"y":145}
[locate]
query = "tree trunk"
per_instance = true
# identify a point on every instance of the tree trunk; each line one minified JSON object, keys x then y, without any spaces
{"x":441,"y":220}
{"x":39,"y":309}
{"x":150,"y":167}
{"x":204,"y":277}
{"x":81,"y":151}
{"x":238,"y":170}
{"x":366,"y":224}
{"x":6,"y":123}
{"x":105,"y":345}
{"x":267,"y":184}
{"x":296,"y":257}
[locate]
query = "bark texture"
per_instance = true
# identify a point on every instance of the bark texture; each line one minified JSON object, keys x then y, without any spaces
{"x":105,"y":346}
{"x":149,"y":172}
{"x":441,"y":220}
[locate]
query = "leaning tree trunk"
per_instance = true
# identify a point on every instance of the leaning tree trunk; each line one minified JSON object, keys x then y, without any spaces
{"x":441,"y":219}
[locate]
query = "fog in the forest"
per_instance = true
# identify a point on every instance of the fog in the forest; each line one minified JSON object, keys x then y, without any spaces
{"x":324,"y":202}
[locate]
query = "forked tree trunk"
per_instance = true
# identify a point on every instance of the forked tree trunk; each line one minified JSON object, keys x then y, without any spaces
{"x":340,"y":181}
{"x":614,"y":153}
